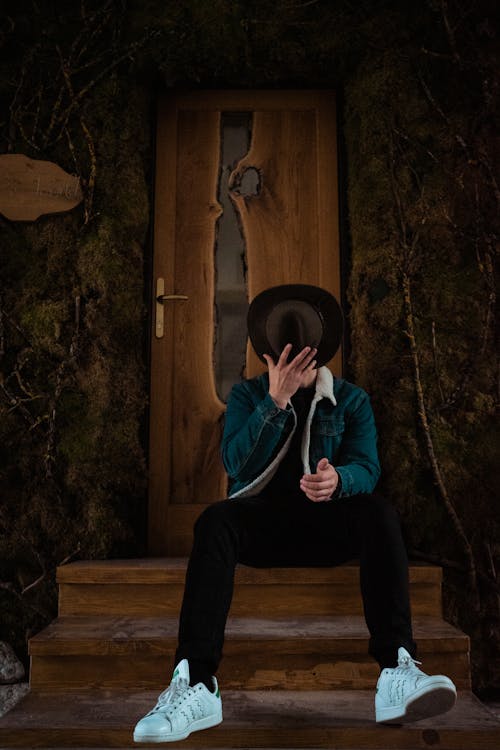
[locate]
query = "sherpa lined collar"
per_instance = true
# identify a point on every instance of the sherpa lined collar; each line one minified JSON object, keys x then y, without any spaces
{"x":324,"y":389}
{"x":324,"y":386}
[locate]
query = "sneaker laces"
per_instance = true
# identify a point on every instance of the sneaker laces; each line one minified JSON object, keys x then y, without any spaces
{"x":406,"y":661}
{"x":169,"y":696}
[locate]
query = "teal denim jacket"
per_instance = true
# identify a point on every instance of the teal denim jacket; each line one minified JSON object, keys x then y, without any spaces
{"x":340,"y":427}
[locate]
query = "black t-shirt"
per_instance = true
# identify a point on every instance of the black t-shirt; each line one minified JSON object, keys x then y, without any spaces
{"x":285,"y":482}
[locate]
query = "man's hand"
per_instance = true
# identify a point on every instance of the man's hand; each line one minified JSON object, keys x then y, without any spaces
{"x":285,"y":378}
{"x":320,"y":487}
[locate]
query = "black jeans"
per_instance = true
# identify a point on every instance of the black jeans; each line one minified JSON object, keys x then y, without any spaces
{"x":295,"y":532}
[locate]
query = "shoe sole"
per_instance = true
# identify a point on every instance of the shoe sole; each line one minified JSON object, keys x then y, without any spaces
{"x":196,"y":726}
{"x":423,"y":705}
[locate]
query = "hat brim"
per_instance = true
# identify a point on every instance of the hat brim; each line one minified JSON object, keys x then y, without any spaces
{"x":322,"y":302}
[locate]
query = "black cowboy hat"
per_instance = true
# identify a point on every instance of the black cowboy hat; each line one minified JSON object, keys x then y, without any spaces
{"x":297,"y":314}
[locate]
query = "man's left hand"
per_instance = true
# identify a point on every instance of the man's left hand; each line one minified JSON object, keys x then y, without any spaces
{"x":320,"y":487}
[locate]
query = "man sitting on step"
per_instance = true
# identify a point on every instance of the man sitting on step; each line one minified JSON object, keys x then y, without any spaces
{"x":299,"y":446}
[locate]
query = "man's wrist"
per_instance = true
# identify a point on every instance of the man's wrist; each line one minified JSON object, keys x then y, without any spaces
{"x":280,"y":403}
{"x":338,"y":488}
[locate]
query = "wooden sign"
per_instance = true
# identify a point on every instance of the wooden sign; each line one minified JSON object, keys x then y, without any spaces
{"x":30,"y":188}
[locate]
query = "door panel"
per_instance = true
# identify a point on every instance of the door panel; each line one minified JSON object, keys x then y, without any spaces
{"x":288,"y":217}
{"x":196,"y":409}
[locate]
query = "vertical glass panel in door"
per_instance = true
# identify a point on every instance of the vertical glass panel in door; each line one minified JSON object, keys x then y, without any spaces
{"x":231,"y":298}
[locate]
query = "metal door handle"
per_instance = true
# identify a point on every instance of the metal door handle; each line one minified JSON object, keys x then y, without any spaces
{"x":161,"y":298}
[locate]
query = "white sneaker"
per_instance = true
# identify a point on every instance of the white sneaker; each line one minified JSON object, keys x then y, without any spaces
{"x":180,"y":710}
{"x":405,"y":693}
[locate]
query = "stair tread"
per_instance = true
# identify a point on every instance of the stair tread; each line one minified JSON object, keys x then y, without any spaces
{"x":173,"y":570}
{"x":120,"y":634}
{"x":251,"y":719}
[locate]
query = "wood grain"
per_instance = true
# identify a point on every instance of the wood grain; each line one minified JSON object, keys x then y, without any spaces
{"x":198,"y":474}
{"x":109,"y":635}
{"x":291,"y":226}
{"x":280,"y":223}
{"x":155,"y":587}
{"x":303,"y":652}
{"x":251,"y":599}
{"x":150,"y":570}
{"x":252,"y":719}
{"x":240,"y":670}
{"x":32,"y":187}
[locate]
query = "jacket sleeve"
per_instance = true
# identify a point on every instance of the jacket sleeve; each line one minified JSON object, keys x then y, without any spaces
{"x":357,"y":461}
{"x":253,"y":432}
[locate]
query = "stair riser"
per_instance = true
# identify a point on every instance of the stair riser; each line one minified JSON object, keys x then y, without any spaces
{"x":270,"y":668}
{"x":157,"y":600}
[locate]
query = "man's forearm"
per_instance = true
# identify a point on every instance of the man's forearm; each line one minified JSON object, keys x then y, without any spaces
{"x":252,"y":436}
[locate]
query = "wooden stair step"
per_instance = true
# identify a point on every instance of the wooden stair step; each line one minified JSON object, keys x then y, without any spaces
{"x":292,"y":653}
{"x":154,"y":587}
{"x":127,"y":635}
{"x":173,"y":570}
{"x":252,"y":719}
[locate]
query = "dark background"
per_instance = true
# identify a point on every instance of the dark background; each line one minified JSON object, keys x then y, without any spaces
{"x":417,"y":85}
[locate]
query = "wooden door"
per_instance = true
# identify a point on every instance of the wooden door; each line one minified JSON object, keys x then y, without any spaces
{"x":284,"y":193}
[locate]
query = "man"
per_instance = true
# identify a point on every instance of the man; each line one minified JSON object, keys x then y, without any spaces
{"x":299,"y":446}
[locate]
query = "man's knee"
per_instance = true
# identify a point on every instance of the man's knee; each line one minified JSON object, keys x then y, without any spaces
{"x":385,"y":525}
{"x":216,"y":531}
{"x":214,"y":518}
{"x":379,"y":513}
{"x":383,"y":509}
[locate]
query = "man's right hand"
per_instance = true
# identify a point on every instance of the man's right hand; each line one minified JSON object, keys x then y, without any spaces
{"x":285,"y":378}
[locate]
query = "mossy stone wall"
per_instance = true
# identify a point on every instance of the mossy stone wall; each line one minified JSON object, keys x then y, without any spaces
{"x":418,"y":85}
